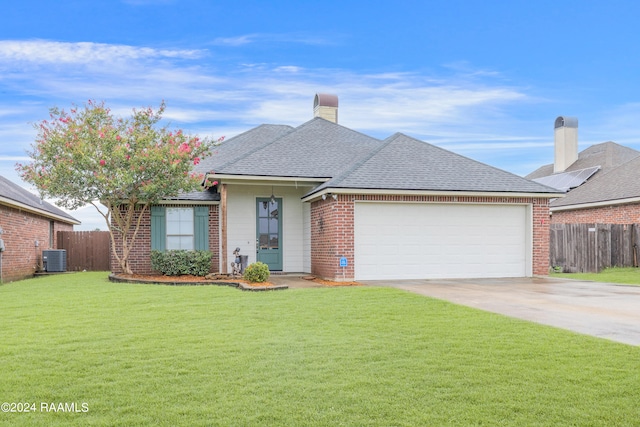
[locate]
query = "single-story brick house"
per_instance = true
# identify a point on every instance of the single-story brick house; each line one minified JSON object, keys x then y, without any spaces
{"x":28,"y":225}
{"x":602,"y":182}
{"x":324,"y":199}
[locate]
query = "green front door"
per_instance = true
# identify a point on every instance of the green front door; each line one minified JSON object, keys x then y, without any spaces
{"x":269,"y":232}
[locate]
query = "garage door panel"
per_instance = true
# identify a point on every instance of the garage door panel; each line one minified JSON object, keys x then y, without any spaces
{"x":396,"y":240}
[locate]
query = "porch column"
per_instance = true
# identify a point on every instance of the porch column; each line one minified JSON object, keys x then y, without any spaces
{"x":223,"y":227}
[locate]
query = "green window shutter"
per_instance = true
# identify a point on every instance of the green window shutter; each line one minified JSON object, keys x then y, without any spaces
{"x":158,"y":229}
{"x":201,"y":228}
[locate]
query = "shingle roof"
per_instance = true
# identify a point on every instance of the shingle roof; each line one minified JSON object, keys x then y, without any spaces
{"x":607,"y":155}
{"x":616,"y":178}
{"x":240,"y":146}
{"x":349,"y":159}
{"x":405,"y":163}
{"x":622,"y":182}
{"x":315,"y":149}
{"x":15,"y":193}
{"x":197,"y":196}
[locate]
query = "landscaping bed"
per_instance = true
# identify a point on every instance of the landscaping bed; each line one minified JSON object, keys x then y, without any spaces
{"x":190,"y":280}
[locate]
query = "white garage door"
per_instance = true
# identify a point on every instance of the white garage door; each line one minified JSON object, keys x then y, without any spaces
{"x":434,"y":241}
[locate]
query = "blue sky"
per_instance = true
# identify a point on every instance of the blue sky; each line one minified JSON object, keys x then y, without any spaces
{"x":485,"y":79}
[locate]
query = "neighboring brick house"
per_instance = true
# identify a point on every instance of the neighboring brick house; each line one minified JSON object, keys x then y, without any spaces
{"x":28,"y":226}
{"x":323,"y":199}
{"x":602,"y":182}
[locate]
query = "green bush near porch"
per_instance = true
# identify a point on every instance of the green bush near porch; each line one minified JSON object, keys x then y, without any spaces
{"x":257,"y":272}
{"x":142,"y":355}
{"x":180,"y":262}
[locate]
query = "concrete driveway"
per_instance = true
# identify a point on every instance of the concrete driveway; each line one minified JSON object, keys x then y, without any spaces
{"x":600,"y":309}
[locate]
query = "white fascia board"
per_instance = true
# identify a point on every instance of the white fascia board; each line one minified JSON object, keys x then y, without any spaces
{"x":327,"y":191}
{"x":41,"y":212}
{"x":596,"y":204}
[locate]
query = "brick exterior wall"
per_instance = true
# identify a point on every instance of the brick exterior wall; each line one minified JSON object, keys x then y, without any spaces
{"x":22,"y":258}
{"x":214,"y":237}
{"x":332,"y":230}
{"x":140,"y":255}
{"x":332,"y":237}
{"x":616,"y":214}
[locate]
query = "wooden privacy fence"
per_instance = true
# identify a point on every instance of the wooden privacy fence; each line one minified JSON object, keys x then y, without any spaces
{"x":86,"y":250}
{"x":580,"y":248}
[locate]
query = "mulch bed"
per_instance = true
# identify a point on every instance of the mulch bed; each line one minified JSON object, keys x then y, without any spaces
{"x":194,"y":280}
{"x":198,"y":280}
{"x":330,"y":282}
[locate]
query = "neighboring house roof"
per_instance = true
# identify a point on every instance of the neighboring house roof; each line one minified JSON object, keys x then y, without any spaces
{"x":620,"y":184}
{"x":13,"y":195}
{"x":348,"y":159}
{"x":618,"y":176}
{"x":607,"y":155}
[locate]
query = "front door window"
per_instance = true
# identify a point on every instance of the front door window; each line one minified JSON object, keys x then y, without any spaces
{"x":269,"y":235}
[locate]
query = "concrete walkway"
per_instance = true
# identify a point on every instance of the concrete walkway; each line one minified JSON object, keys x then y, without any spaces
{"x":600,"y":309}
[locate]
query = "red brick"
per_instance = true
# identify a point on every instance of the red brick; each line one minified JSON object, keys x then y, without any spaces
{"x":22,"y":258}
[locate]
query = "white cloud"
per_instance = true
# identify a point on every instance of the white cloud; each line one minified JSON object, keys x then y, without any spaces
{"x":14,"y":158}
{"x":285,"y":38}
{"x":53,"y":52}
{"x":235,"y":41}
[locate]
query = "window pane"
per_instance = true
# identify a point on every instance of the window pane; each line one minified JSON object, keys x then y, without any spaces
{"x":273,"y":225}
{"x":273,"y":210}
{"x":264,"y":225}
{"x":273,"y":241}
{"x":263,"y":209}
{"x":264,"y":241}
{"x":180,"y":228}
{"x":180,"y":242}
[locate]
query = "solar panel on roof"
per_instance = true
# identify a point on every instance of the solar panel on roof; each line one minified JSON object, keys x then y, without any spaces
{"x":567,"y":180}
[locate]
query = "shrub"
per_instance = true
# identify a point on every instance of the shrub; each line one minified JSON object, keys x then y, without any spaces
{"x":257,"y":272}
{"x":179,"y":262}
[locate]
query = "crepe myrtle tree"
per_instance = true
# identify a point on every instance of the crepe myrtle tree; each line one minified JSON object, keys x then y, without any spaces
{"x":88,"y":156}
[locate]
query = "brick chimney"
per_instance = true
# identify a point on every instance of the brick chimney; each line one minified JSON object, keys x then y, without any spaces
{"x":565,"y":135}
{"x":326,"y":106}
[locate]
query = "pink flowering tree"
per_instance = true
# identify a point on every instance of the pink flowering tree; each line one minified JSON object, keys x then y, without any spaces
{"x":88,"y":156}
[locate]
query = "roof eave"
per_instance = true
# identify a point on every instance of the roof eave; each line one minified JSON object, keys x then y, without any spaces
{"x":41,"y":212}
{"x":598,"y":204}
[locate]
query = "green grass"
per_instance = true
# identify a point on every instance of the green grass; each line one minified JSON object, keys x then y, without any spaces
{"x":625,"y":275}
{"x":357,"y":356}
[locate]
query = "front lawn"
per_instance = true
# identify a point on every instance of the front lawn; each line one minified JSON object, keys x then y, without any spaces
{"x":625,"y":275}
{"x":205,"y":355}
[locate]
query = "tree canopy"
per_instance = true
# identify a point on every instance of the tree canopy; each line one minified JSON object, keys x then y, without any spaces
{"x":88,"y":155}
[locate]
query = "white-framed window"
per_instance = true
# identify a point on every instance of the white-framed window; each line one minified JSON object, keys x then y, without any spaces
{"x":180,"y":228}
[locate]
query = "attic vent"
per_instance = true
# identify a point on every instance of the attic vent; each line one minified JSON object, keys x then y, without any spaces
{"x":326,"y":106}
